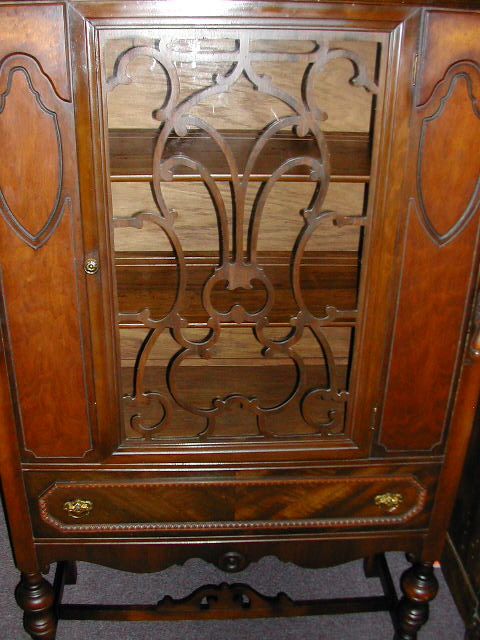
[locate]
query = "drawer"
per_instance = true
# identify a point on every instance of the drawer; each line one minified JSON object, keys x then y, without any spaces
{"x":120,"y":504}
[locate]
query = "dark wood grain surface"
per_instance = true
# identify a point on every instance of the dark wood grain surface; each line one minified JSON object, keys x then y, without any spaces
{"x":438,"y":264}
{"x":40,"y":244}
{"x":124,"y":504}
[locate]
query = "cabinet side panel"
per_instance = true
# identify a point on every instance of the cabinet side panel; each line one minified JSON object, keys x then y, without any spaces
{"x":439,"y":259}
{"x":39,"y":240}
{"x":13,"y":489}
{"x":426,"y":338}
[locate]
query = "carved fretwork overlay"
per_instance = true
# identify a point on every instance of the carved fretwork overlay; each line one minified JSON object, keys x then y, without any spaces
{"x":174,"y":378}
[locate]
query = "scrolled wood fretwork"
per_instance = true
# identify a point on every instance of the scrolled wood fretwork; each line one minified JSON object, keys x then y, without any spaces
{"x":152,"y":410}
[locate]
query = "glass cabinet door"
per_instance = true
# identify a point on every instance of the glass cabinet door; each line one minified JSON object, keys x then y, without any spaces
{"x":240,"y":206}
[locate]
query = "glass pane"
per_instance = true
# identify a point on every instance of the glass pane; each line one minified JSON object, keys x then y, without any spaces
{"x":240,"y":170}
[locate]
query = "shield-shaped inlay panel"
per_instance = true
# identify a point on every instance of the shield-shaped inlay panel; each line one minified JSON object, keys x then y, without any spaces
{"x":448,"y":162}
{"x":31,"y":167}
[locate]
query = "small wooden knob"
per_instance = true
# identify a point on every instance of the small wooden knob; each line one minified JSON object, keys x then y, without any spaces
{"x":232,"y":562}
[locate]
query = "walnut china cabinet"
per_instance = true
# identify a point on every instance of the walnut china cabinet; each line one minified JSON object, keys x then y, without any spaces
{"x":238,"y":251}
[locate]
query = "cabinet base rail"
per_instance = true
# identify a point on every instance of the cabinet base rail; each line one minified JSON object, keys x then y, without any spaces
{"x":42,"y":603}
{"x":230,"y":601}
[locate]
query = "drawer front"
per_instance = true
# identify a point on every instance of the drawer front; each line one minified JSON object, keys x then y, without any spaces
{"x":149,"y":505}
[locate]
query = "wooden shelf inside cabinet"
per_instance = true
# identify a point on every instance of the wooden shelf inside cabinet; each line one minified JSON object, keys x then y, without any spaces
{"x":200,"y":381}
{"x":131,"y":152}
{"x":150,"y":278}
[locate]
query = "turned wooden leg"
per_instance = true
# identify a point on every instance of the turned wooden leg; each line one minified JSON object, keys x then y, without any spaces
{"x":419,"y":587}
{"x":36,"y":597}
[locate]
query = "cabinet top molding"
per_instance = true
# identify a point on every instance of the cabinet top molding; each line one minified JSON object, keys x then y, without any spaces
{"x":341,"y":10}
{"x":209,"y":5}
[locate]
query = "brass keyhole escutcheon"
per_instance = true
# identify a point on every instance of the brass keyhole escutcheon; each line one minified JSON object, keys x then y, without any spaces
{"x":78,"y":508}
{"x":389,"y":501}
{"x":91,"y":266}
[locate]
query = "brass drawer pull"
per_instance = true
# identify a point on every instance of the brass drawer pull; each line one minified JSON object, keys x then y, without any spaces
{"x":389,"y":501}
{"x":78,"y":508}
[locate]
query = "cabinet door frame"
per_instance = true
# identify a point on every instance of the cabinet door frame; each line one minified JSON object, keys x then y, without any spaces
{"x":380,"y":258}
